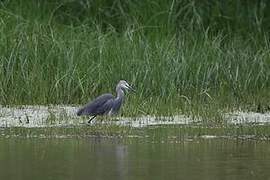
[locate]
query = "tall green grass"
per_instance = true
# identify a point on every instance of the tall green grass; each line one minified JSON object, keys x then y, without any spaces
{"x":180,"y":56}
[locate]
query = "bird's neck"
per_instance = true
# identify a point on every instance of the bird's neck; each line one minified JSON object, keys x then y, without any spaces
{"x":120,"y":94}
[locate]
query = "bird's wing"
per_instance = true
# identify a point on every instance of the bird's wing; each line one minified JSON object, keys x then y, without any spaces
{"x":105,"y":108}
{"x":98,"y":106}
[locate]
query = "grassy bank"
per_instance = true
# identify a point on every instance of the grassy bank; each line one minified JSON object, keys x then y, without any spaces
{"x":179,"y":57}
{"x":172,"y":133}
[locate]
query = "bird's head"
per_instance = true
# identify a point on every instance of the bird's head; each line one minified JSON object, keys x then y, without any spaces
{"x":124,"y":85}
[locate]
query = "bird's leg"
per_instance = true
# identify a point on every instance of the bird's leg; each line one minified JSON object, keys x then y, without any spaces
{"x":92,"y":119}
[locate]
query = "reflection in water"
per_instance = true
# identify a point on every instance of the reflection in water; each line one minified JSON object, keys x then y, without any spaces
{"x":121,"y":155}
{"x":110,"y":159}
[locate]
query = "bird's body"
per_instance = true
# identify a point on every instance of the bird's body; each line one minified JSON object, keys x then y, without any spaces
{"x":105,"y":104}
{"x":98,"y":106}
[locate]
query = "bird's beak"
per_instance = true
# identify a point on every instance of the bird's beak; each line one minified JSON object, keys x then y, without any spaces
{"x":131,"y":88}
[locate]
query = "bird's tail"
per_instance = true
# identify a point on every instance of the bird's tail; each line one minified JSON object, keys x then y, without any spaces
{"x":79,"y":112}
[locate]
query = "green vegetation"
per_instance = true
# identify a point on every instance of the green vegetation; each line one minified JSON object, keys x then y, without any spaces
{"x":189,"y":56}
{"x":152,"y":133}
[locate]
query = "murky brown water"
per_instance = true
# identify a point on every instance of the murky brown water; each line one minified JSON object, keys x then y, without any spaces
{"x":111,"y":159}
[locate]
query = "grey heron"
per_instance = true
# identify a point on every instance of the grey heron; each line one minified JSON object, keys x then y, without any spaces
{"x":106,"y":104}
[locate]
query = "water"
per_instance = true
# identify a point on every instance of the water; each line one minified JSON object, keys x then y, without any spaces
{"x":96,"y":158}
